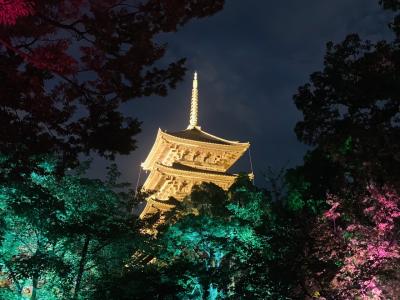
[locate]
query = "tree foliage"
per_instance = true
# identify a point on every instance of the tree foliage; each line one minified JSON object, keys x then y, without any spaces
{"x":218,"y":245}
{"x":67,"y":66}
{"x":351,"y":108}
{"x":61,"y":235}
{"x":358,"y":251}
{"x":351,"y":118}
{"x":332,"y":233}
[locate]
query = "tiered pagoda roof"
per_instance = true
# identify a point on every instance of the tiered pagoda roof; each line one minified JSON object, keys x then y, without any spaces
{"x":180,"y":160}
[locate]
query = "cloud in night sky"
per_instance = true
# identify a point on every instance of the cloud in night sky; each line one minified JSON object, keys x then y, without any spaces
{"x":251,"y":58}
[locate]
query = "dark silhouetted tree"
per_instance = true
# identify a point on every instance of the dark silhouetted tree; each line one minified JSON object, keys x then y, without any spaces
{"x":67,"y":66}
{"x":351,"y":109}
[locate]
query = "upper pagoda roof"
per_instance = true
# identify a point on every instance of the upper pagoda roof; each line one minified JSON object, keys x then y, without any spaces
{"x":196,"y":134}
{"x":194,"y":139}
{"x":190,"y":138}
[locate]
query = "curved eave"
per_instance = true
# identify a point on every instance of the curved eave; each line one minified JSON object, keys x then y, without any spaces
{"x":153,"y":205}
{"x":202,"y":176}
{"x":228,"y":144}
{"x":158,"y":147}
{"x":194,"y":173}
{"x":151,"y":157}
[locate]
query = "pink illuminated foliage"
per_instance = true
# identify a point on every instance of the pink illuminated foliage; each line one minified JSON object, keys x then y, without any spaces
{"x":365,"y":249}
{"x":332,"y":213}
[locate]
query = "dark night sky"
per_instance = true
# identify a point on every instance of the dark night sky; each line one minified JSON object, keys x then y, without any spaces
{"x":251,"y":57}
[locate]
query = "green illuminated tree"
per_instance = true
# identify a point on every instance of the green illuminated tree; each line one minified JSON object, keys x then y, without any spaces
{"x":28,"y":249}
{"x":215,"y":245}
{"x":62,"y":234}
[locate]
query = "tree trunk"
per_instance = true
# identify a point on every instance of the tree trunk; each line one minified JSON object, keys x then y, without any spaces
{"x":34,"y":286}
{"x":81,"y":267}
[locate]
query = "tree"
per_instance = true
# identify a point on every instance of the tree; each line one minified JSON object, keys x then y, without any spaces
{"x":62,"y":234}
{"x":393,"y":5}
{"x":27,"y":251}
{"x":67,"y":66}
{"x":357,"y":250}
{"x":351,"y":108}
{"x":351,"y":117}
{"x":215,"y":245}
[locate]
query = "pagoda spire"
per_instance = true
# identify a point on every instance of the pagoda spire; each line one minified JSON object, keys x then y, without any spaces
{"x":194,"y":107}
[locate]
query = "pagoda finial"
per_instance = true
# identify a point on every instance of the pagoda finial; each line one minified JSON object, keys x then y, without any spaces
{"x":194,"y":107}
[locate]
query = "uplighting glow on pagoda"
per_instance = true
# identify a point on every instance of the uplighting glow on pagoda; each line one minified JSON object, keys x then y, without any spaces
{"x":180,"y":160}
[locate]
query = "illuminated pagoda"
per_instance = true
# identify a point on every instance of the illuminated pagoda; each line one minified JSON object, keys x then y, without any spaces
{"x":180,"y":160}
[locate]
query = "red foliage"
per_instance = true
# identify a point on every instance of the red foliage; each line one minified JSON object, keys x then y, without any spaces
{"x":11,"y":10}
{"x":78,"y":60}
{"x":53,"y":57}
{"x":117,"y":28}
